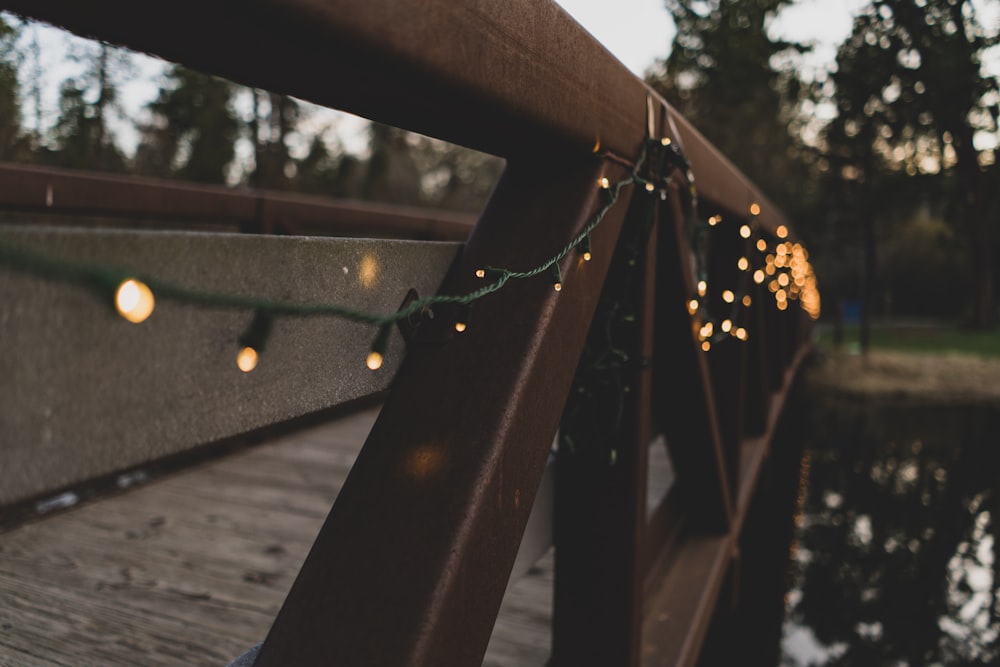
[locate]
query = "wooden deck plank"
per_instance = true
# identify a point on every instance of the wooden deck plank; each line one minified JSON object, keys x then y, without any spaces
{"x":190,"y":569}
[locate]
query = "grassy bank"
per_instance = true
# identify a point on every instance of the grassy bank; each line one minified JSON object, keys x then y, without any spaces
{"x":923,"y":338}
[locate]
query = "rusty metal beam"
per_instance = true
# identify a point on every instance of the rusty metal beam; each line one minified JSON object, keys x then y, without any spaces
{"x":507,"y":78}
{"x":71,"y":192}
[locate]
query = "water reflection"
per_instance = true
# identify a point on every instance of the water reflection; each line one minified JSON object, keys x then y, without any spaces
{"x":895,"y":561}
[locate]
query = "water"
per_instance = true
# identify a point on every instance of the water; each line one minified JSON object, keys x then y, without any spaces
{"x":894,"y":558}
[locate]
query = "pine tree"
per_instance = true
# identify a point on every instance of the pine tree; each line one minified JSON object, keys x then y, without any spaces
{"x":11,"y":144}
{"x":193,"y":129}
{"x":87,"y":106}
{"x":911,"y":95}
{"x":274,"y":167}
{"x":720,"y":75}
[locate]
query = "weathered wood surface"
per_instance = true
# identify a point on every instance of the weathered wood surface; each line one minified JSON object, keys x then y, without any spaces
{"x":190,"y":569}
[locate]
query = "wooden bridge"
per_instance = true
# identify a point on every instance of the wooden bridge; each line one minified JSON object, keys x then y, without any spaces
{"x":640,"y":311}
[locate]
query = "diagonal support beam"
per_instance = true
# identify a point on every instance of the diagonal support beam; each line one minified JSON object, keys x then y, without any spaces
{"x":411,"y":565}
{"x":685,"y":404}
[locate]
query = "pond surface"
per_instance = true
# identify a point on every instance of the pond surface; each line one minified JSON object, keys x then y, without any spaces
{"x":895,"y":561}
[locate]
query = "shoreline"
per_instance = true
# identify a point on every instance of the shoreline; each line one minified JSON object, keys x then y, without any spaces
{"x":949,"y":378}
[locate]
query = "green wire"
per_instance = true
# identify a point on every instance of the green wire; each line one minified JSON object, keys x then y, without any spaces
{"x":105,"y":277}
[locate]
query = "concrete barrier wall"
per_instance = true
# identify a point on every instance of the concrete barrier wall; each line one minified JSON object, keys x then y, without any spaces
{"x":84,"y":393}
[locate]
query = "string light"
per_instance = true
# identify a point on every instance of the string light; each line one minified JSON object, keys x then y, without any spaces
{"x":747,"y":300}
{"x":726,"y":326}
{"x":556,"y":278}
{"x":134,"y":300}
{"x":464,"y":314}
{"x":379,"y":347}
{"x":252,"y":341}
{"x":755,"y":209}
{"x":246,"y":359}
{"x":781,"y":231}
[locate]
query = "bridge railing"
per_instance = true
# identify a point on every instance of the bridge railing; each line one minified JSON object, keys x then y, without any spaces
{"x":157,"y":203}
{"x":642,"y":340}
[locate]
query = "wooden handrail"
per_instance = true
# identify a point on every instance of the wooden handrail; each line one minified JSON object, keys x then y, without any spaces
{"x":504,"y":78}
{"x":180,"y":204}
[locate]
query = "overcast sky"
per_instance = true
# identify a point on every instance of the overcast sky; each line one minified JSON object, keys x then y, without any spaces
{"x":639,"y":32}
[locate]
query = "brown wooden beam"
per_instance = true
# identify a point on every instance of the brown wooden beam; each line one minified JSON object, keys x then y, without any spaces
{"x":427,"y":525}
{"x":507,"y":78}
{"x":602,"y":466}
{"x":176,"y":203}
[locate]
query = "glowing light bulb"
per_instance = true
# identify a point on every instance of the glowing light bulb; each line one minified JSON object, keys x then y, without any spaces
{"x":758,"y":276}
{"x":728,"y":296}
{"x":706,"y":345}
{"x":665,"y":141}
{"x":377,"y":354}
{"x":714,"y":220}
{"x":650,"y":187}
{"x":557,"y":278}
{"x":247,"y":359}
{"x":604,"y":183}
{"x":462,"y":320}
{"x":253,"y":340}
{"x":702,"y":287}
{"x":743,"y":264}
{"x":781,"y":231}
{"x":755,"y":209}
{"x":761,"y":245}
{"x":741,"y":333}
{"x":585,"y":249}
{"x":134,"y":300}
{"x":480,"y":273}
{"x":747,"y":300}
{"x":745,"y":231}
{"x":726,"y":325}
{"x":693,"y":306}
